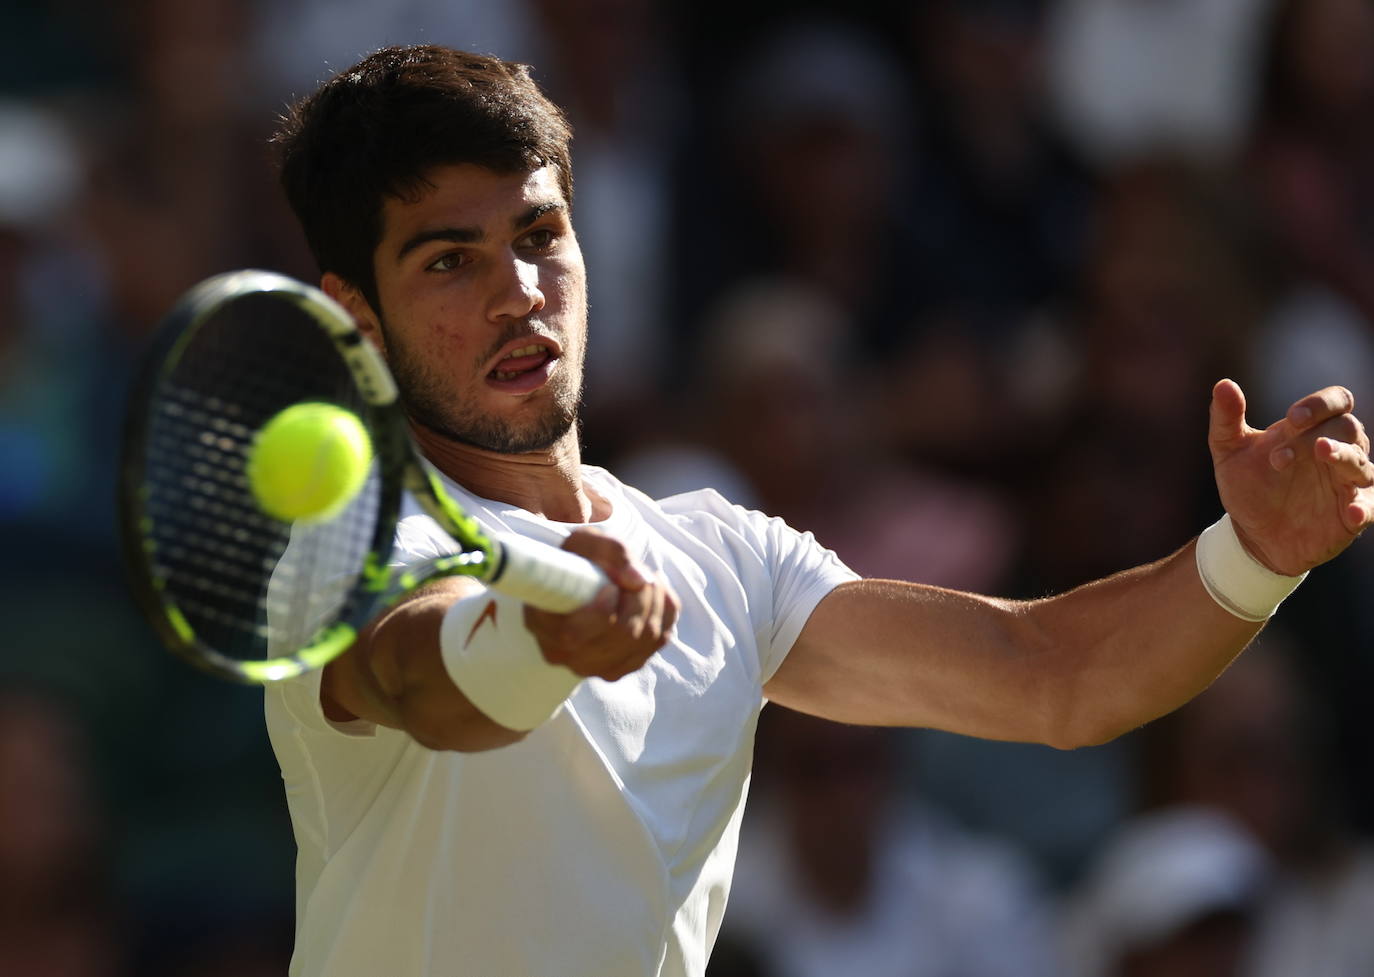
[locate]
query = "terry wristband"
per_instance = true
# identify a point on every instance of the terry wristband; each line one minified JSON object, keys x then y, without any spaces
{"x":1235,"y":579}
{"x":495,"y":661}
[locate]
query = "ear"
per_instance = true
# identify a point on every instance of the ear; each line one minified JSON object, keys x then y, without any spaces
{"x":351,"y":298}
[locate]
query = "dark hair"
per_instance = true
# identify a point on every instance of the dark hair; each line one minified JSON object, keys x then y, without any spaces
{"x":377,"y":129}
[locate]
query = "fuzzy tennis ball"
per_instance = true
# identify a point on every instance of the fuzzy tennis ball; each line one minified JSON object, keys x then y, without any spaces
{"x":308,"y":462}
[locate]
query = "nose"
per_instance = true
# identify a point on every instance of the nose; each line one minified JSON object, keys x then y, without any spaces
{"x":517,"y":291}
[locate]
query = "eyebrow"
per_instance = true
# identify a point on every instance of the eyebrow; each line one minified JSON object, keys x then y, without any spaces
{"x":475,"y":235}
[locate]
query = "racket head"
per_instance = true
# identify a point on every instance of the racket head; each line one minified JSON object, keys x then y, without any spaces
{"x":226,"y":586}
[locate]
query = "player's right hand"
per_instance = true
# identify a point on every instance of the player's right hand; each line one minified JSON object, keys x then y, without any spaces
{"x":621,"y":628}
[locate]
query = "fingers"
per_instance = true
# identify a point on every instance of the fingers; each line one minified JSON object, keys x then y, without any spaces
{"x":622,"y":628}
{"x":1324,"y":414}
{"x":609,"y":554}
{"x":1344,"y":429}
{"x":1352,"y":471}
{"x":1349,"y":462}
{"x":1227,"y":424}
{"x":1317,"y":408}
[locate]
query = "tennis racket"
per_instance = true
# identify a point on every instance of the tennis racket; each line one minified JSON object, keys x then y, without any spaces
{"x":234,"y":590}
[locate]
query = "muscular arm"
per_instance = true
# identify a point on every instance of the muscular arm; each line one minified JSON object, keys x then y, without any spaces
{"x":1071,"y":670}
{"x":1088,"y":665}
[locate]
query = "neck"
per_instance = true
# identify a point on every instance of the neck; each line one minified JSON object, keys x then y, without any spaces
{"x":547,"y":483}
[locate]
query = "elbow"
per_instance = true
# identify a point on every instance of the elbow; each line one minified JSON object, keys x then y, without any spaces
{"x":1073,"y":708}
{"x":1077,"y":737}
{"x":1077,"y":721}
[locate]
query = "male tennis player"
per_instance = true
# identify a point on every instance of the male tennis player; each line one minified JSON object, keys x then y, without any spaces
{"x":478,"y":788}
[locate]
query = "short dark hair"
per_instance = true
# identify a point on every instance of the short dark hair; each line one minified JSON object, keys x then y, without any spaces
{"x":377,"y":129}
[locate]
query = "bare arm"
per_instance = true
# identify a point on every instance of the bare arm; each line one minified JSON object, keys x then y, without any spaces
{"x":1088,"y":665}
{"x":1072,"y":670}
{"x":394,"y":675}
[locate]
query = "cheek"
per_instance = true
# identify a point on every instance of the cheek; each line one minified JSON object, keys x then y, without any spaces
{"x":569,"y":288}
{"x":435,"y":329}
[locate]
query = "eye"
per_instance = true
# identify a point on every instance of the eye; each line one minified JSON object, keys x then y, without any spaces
{"x":449,"y":261}
{"x":540,"y":239}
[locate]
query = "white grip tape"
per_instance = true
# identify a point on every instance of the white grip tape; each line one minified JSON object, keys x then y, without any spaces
{"x":495,"y":661}
{"x":545,"y":577}
{"x":1235,"y":579}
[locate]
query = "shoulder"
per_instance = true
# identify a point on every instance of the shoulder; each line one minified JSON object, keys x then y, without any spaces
{"x":742,"y":536}
{"x":702,"y":517}
{"x":698,"y":505}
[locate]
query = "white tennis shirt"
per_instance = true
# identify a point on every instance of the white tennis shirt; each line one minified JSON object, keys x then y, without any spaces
{"x":602,"y":845}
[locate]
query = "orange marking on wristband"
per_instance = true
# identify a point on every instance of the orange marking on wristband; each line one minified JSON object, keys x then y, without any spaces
{"x":487,"y":612}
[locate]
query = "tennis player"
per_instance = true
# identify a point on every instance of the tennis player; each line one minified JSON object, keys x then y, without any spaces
{"x":479,"y":788}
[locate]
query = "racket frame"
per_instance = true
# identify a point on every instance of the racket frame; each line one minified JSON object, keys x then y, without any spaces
{"x":541,"y":575}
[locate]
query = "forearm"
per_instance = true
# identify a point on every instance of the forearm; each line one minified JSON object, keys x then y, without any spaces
{"x":1070,"y":670}
{"x":395,"y":676}
{"x":1132,"y":647}
{"x":462,"y":668}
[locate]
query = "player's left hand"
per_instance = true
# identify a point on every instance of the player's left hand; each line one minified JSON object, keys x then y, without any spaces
{"x":1299,"y":491}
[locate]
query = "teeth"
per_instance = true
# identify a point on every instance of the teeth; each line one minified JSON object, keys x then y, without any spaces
{"x":531,"y":350}
{"x":525,"y":351}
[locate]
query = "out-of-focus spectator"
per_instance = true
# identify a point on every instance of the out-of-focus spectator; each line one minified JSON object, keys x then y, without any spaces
{"x":56,"y":914}
{"x":798,"y":176}
{"x":837,"y":875}
{"x":1254,"y":747}
{"x":998,"y":211}
{"x":1172,"y":77}
{"x":1313,"y":152}
{"x":1173,"y":894}
{"x":906,"y":172}
{"x":53,"y":354}
{"x":998,"y":202}
{"x":784,"y":403}
{"x":300,"y":43}
{"x":1160,"y":306}
{"x":1168,"y":295}
{"x":48,"y":48}
{"x":1310,"y":338}
{"x":182,"y":183}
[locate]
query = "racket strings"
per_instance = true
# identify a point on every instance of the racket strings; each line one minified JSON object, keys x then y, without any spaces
{"x":250,"y":586}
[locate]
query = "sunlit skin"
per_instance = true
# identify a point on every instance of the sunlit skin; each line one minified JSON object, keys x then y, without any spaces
{"x":481,"y":266}
{"x":476,"y":267}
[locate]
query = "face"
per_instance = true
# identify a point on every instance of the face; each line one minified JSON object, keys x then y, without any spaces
{"x":483,"y":315}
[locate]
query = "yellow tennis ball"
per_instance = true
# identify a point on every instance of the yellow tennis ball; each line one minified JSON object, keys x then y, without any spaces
{"x":308,"y":462}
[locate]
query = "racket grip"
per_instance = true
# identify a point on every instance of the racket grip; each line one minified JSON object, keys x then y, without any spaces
{"x":544,"y":576}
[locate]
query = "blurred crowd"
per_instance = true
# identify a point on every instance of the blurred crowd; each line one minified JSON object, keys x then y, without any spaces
{"x":946,"y":282}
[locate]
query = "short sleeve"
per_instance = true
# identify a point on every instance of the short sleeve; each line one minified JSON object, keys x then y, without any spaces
{"x":785,"y":573}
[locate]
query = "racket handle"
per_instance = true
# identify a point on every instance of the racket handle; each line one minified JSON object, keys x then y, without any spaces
{"x":544,"y":576}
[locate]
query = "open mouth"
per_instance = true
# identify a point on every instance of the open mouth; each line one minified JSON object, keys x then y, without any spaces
{"x":524,"y":368}
{"x":520,"y":361}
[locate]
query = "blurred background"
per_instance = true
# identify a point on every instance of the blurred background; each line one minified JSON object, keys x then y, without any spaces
{"x":946,"y":282}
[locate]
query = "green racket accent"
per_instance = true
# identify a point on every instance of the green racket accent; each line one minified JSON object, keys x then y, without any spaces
{"x":330,"y":645}
{"x":376,"y":574}
{"x":179,"y":623}
{"x":457,"y":523}
{"x":228,"y":586}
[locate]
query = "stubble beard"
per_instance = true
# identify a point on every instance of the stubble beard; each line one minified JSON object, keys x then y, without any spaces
{"x":431,"y":402}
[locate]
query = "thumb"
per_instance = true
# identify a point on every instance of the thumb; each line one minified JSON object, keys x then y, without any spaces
{"x":1227,"y":426}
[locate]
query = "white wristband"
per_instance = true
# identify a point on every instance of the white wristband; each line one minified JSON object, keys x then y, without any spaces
{"x":495,"y":661}
{"x":1235,"y":579}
